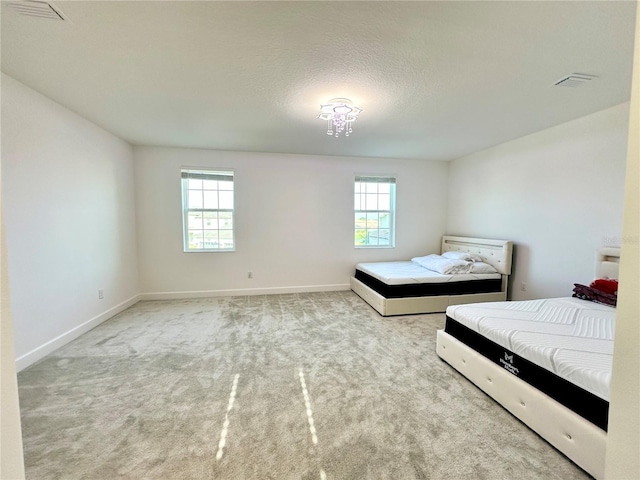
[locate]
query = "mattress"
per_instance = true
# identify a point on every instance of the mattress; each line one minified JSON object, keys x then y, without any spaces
{"x":402,"y":273}
{"x":568,"y":338}
{"x":408,"y":279}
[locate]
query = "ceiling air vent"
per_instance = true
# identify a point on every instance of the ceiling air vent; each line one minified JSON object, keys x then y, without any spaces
{"x":575,"y":80}
{"x":35,"y":8}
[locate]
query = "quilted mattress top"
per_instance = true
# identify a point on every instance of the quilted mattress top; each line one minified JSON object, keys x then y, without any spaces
{"x":570,"y":337}
{"x":404,"y":273}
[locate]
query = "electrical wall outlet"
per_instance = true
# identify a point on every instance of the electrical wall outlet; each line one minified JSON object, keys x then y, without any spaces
{"x":523,"y":287}
{"x":100,"y":294}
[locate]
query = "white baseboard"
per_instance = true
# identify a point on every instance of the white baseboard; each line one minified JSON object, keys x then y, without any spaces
{"x":242,"y":292}
{"x":36,"y":354}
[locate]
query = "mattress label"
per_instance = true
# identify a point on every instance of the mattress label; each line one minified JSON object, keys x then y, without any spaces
{"x":507,"y":363}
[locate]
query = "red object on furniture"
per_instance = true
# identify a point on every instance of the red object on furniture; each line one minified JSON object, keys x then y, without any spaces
{"x":607,"y":285}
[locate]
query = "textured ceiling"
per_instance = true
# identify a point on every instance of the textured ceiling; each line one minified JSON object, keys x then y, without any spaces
{"x":436,"y":80}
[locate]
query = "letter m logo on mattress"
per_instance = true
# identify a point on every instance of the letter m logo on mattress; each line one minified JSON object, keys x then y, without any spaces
{"x":507,"y":362}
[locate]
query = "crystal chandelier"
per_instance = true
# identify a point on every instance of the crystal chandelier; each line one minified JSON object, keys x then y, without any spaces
{"x":339,"y":113}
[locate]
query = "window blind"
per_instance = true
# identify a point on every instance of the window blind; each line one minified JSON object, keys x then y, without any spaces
{"x":200,"y":175}
{"x":376,"y":179}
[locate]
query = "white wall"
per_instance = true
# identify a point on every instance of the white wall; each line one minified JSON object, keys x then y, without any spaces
{"x":70,"y":221}
{"x":11,"y":452}
{"x":623,"y":438}
{"x":11,"y":461}
{"x":294,"y":220}
{"x":558,"y":194}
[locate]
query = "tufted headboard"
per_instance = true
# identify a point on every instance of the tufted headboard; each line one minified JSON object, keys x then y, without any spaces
{"x":496,"y":253}
{"x":607,"y":262}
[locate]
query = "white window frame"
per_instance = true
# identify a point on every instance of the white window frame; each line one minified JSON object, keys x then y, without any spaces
{"x":360,"y":207}
{"x":187,"y":173}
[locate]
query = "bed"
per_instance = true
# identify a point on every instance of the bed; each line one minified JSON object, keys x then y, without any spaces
{"x":546,"y":361}
{"x":402,"y":288}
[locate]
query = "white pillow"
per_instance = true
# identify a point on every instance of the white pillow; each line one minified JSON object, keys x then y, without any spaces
{"x":467,"y":257}
{"x":481,"y":267}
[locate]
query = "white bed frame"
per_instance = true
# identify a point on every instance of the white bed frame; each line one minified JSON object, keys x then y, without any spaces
{"x":577,"y":438}
{"x":497,"y":253}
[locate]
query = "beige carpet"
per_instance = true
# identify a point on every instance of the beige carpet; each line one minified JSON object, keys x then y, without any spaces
{"x":301,"y":386}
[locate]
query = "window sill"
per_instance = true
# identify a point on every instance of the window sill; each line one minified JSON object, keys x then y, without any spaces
{"x":210,"y":251}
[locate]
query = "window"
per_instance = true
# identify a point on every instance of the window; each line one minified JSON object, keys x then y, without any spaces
{"x":207,"y":210}
{"x":375,"y":200}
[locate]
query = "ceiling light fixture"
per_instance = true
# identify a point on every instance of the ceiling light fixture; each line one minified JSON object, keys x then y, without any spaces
{"x":339,"y":113}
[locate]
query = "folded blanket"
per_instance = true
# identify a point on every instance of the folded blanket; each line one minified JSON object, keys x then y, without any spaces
{"x":445,"y":266}
{"x":593,"y":295}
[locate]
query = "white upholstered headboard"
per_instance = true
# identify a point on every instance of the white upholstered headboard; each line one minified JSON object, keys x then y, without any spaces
{"x":607,"y":262}
{"x":497,"y":253}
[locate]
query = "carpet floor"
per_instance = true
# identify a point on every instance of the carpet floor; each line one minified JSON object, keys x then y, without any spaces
{"x":299,"y":386}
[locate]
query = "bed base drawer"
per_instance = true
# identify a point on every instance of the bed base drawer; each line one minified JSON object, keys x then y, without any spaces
{"x":413,"y":305}
{"x":577,"y":438}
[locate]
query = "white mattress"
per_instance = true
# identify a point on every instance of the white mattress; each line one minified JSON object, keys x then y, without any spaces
{"x":402,"y":273}
{"x":570,"y":337}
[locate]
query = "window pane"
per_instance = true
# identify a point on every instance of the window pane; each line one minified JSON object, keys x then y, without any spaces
{"x":372,"y":201}
{"x":384,"y":202}
{"x":226,"y":220}
{"x":210,"y":184}
{"x":226,"y":200}
{"x":371,"y":187}
{"x":195,"y":199}
{"x":210,"y":220}
{"x":384,"y":237}
{"x":361,"y":220}
{"x":210,"y":198}
{"x":195,"y":239}
{"x":358,"y":187}
{"x":372,"y":220}
{"x":361,"y":237}
{"x":385,"y":220}
{"x":211,"y":239}
{"x":194,"y":183}
{"x":226,"y":239}
{"x":194,"y":220}
{"x":384,"y":188}
{"x":372,"y":237}
{"x":356,"y":202}
{"x":224,"y":185}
